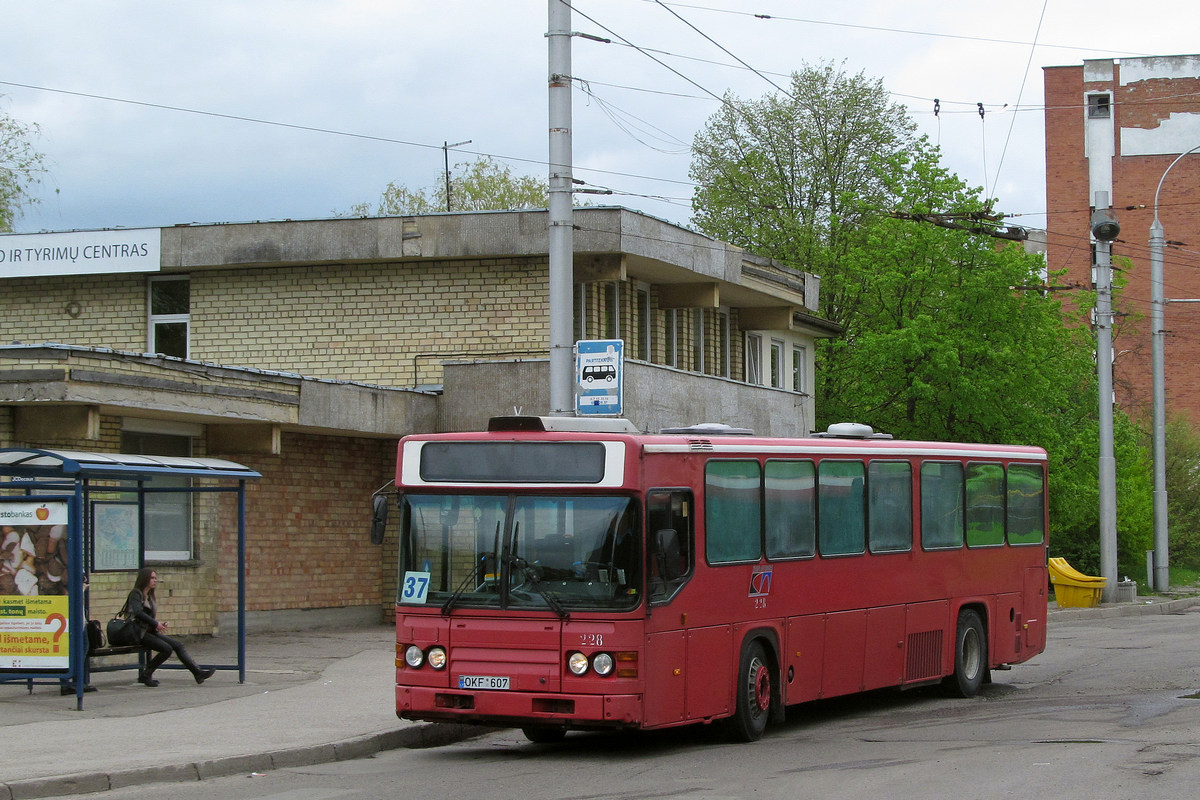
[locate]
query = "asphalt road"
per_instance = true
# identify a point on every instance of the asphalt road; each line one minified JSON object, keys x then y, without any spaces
{"x":1110,"y":710}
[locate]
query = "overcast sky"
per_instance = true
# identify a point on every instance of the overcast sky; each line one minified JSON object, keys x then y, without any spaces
{"x":161,"y":113}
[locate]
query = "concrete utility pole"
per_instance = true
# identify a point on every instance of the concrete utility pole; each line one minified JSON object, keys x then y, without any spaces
{"x":562,"y":236}
{"x":1162,"y":572}
{"x":1105,"y":229}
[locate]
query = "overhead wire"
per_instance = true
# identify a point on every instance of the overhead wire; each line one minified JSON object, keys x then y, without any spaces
{"x":1020,"y":93}
{"x":882,"y":29}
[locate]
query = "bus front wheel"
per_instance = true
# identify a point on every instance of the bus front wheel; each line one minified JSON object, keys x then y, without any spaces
{"x":754,"y":692}
{"x":970,"y":656}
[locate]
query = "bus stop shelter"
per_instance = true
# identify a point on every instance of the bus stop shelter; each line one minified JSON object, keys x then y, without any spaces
{"x":50,"y":530}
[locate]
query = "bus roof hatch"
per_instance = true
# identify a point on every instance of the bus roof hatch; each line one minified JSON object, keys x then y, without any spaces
{"x":851,"y":430}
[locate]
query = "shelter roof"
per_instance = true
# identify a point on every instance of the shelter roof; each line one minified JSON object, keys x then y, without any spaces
{"x":78,"y":464}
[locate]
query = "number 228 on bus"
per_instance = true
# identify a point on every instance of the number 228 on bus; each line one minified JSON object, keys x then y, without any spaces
{"x":557,"y":575}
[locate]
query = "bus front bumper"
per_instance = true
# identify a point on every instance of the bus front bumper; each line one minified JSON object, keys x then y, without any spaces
{"x":519,"y":708}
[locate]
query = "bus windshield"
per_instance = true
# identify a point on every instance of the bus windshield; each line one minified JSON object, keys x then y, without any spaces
{"x":521,"y":551}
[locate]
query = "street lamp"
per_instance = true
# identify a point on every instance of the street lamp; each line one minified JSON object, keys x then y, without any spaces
{"x":1161,"y":571}
{"x":446,"y":147}
{"x":1105,"y":229}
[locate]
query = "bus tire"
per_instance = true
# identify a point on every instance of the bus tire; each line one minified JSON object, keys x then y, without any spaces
{"x":753,"y":691}
{"x":970,"y":656}
{"x":542,"y":735}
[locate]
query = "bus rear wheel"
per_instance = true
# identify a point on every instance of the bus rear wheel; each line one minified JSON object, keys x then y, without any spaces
{"x":754,"y":690}
{"x":970,"y":656}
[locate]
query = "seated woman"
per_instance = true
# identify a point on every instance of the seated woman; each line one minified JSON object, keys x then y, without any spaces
{"x":142,"y":608}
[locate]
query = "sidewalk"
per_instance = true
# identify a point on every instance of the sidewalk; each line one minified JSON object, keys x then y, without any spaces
{"x":310,"y":697}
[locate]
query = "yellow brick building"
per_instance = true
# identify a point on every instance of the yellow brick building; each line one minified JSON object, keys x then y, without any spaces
{"x":305,"y":350}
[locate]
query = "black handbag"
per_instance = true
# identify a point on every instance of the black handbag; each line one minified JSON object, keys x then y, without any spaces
{"x":95,"y":635}
{"x":121,"y":632}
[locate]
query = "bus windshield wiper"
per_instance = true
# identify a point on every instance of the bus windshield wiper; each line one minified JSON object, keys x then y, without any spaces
{"x":452,"y":600}
{"x":535,"y":582}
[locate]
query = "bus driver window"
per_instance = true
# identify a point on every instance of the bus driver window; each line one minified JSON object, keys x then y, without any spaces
{"x":669,"y":534}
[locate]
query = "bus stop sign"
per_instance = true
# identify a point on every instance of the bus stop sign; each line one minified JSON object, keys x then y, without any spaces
{"x":599,"y":377}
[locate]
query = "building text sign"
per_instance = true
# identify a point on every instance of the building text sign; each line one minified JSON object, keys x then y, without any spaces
{"x":31,"y":255}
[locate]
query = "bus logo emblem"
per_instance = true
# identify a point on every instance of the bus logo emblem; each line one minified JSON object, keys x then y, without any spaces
{"x":760,"y":582}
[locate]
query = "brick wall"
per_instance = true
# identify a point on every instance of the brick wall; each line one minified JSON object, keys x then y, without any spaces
{"x":307,"y":527}
{"x":1141,"y":105}
{"x":388,"y":324}
{"x":91,"y":311}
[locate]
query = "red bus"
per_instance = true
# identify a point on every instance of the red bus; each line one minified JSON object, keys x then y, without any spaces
{"x":562,"y":573}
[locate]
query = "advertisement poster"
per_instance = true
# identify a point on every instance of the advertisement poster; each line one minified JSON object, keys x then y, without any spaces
{"x":114,"y":536}
{"x":34,"y":606}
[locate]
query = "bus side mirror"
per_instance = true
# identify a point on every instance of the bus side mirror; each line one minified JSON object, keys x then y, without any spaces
{"x":379,"y":515}
{"x":666,"y":549}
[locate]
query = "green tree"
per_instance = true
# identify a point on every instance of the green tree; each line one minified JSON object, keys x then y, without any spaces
{"x":479,"y":185}
{"x":791,"y":174}
{"x":1182,"y":470}
{"x":21,"y":169}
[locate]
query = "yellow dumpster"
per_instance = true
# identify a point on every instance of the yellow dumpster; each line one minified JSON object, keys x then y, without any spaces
{"x":1072,"y":588}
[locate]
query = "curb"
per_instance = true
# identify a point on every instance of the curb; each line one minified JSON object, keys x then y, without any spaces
{"x":1134,"y":609}
{"x":416,"y":737}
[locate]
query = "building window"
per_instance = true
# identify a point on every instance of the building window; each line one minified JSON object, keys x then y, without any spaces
{"x":671,"y":327}
{"x":168,"y":514}
{"x":580,"y":321}
{"x":723,"y":358}
{"x":612,"y":310}
{"x":777,"y":363}
{"x":644,"y":326}
{"x":169,"y":304}
{"x":754,"y":358}
{"x":1099,"y":106}
{"x":698,"y":341}
{"x":799,"y":368}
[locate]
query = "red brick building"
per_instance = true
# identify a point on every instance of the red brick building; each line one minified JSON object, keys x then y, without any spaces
{"x":1116,"y":126}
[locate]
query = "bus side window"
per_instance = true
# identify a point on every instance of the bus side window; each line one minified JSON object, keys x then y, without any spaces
{"x":669,"y":540}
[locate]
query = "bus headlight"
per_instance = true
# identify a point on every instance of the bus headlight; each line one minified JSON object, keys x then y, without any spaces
{"x":437,"y":657}
{"x":577,"y":663}
{"x":413,"y":656}
{"x":603,"y":663}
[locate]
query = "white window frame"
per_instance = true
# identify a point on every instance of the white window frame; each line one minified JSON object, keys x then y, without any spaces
{"x":754,"y":373}
{"x":799,"y":368}
{"x":776,"y":363}
{"x":153,"y":320}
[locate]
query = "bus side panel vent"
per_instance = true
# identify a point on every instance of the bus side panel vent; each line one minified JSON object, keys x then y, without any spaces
{"x":924,"y":656}
{"x":703,"y":445}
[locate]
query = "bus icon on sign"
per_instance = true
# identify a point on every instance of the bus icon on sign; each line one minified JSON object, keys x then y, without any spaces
{"x":599,"y":372}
